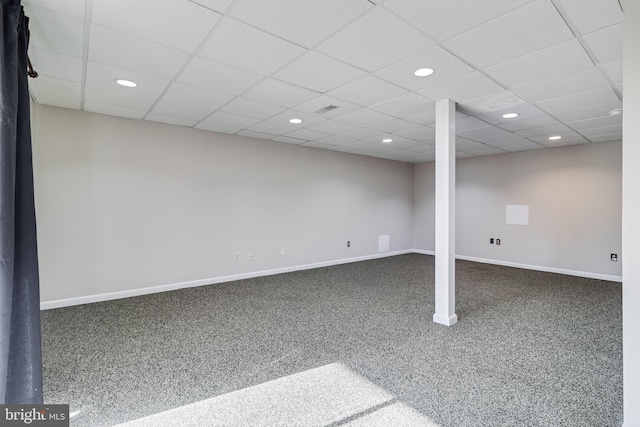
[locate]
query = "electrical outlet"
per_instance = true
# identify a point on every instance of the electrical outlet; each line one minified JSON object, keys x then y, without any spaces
{"x":348,"y":243}
{"x":237,"y":256}
{"x":491,"y":241}
{"x":497,"y":241}
{"x":281,"y":251}
{"x":250,"y":256}
{"x":614,"y":257}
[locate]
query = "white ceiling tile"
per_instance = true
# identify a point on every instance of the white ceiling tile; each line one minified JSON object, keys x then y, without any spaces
{"x":525,"y":30}
{"x":579,"y":100}
{"x":105,"y":76}
{"x":493,"y":104}
{"x":307,"y":119}
{"x":123,"y":51}
{"x":361,"y":133}
{"x":367,"y":90}
{"x":195,"y":97}
{"x":586,"y":113}
{"x":150,"y":19}
{"x":363,"y":117}
{"x":307,"y":134}
{"x":530,"y":123}
{"x":424,"y":148}
{"x":275,"y":92}
{"x":220,"y":118}
{"x":464,"y":88}
{"x":215,"y":127}
{"x":597,"y":122}
{"x":493,"y":139}
{"x":251,"y":108}
{"x":562,"y":58}
{"x":55,"y":31}
{"x":166,"y":109}
{"x":404,"y":105}
{"x":170,"y":120}
{"x":316,"y":104}
{"x":562,"y":85}
{"x":305,"y":23}
{"x":375,"y":40}
{"x":525,"y":111}
{"x":567,"y":137}
{"x":520,"y":145}
{"x":613,"y":70}
{"x":272,"y":128}
{"x":334,"y":140}
{"x":73,"y":8}
{"x":56,"y":65}
{"x":607,"y":138}
{"x":606,"y":44}
{"x":344,"y":148}
{"x":463,"y":155}
{"x":252,"y":134}
{"x":319,"y":144}
{"x":488,"y":134}
{"x":318,"y":72}
{"x":289,"y":140}
{"x":404,"y":143}
{"x":566,"y":143}
{"x":544,"y":131}
{"x":369,"y":146}
{"x":424,"y":134}
{"x":427,"y":118}
{"x":114,"y":98}
{"x":113,"y":111}
{"x":332,"y":127}
{"x":220,"y":77}
{"x":395,"y":125}
{"x":469,"y":123}
{"x":216,"y":5}
{"x":592,"y":15}
{"x":486,"y":150}
{"x":59,"y":93}
{"x":445,"y":65}
{"x":240,"y":45}
{"x":444,"y":19}
{"x":605,"y":130}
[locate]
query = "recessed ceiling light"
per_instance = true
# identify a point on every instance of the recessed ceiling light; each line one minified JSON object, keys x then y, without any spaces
{"x":554,"y":138}
{"x":510,"y":115}
{"x":387,"y":140}
{"x":126,"y":83}
{"x":295,"y":121}
{"x":423,"y":72}
{"x":615,"y":112}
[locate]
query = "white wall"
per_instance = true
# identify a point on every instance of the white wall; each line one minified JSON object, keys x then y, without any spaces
{"x":574,"y":198}
{"x":124,"y":204}
{"x":631,"y":215}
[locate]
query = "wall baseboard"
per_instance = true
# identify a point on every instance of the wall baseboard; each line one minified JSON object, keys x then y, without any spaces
{"x":67,"y":302}
{"x":586,"y":274}
{"x":46,"y":305}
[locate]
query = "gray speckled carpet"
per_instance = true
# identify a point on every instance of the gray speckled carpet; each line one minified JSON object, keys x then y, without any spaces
{"x":352,"y":344}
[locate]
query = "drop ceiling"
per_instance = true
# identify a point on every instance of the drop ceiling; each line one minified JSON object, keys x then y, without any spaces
{"x":246,"y":67}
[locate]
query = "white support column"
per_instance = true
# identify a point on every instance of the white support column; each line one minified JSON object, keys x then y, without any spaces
{"x":631,"y":216}
{"x":445,"y":212}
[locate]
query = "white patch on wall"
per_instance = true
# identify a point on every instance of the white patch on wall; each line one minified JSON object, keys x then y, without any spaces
{"x":517,"y":215}
{"x":383,"y":243}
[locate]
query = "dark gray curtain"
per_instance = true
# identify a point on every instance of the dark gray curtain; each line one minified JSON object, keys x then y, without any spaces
{"x":20,"y":344}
